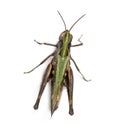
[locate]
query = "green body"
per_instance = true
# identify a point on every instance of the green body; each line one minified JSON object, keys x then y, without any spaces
{"x":61,"y":65}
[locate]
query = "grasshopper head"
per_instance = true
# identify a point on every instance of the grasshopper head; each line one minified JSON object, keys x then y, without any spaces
{"x":65,"y":35}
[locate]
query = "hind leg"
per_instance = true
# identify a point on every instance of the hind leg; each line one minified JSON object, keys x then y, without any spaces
{"x":44,"y":82}
{"x":70,"y":89}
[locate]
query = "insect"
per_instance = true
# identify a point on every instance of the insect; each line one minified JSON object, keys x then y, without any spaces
{"x":59,"y":71}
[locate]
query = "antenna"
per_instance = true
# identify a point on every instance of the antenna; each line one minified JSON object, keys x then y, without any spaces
{"x":62,"y":19}
{"x":76,"y":22}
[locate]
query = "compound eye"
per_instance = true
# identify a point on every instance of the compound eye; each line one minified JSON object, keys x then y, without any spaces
{"x":62,"y":35}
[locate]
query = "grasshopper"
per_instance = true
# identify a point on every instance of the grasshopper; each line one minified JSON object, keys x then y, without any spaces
{"x":59,"y":71}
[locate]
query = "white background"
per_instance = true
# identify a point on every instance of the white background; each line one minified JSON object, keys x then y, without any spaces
{"x":96,"y":103}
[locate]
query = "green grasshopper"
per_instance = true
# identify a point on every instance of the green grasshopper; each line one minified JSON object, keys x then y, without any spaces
{"x":59,"y":70}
